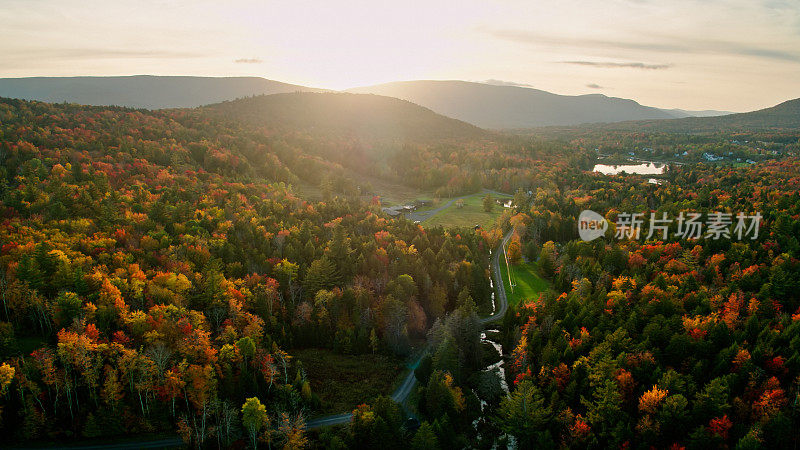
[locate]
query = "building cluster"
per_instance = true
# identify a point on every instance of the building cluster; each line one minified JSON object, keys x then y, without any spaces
{"x":394,"y":211}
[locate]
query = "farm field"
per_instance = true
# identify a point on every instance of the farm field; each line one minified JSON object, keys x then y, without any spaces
{"x":469,"y":215}
{"x":528,"y":283}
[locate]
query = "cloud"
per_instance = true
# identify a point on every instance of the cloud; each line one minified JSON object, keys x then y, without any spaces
{"x":594,"y":86}
{"x":66,"y":54}
{"x":506,"y":83}
{"x":615,"y":65}
{"x":248,"y":61}
{"x":663,"y":44}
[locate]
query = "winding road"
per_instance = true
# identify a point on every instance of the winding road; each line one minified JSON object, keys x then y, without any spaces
{"x":497,"y":280}
{"x":404,"y":390}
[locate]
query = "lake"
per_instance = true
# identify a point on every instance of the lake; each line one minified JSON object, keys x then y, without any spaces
{"x":641,"y":169}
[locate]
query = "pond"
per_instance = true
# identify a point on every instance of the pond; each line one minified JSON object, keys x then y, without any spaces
{"x":649,"y":168}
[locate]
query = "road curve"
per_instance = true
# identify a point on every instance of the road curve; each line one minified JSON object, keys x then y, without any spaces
{"x":405,"y":388}
{"x":497,"y":280}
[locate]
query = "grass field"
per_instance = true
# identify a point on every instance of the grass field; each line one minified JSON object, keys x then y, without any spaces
{"x":469,"y":215}
{"x":343,"y":382}
{"x":526,"y":277}
{"x":391,"y":193}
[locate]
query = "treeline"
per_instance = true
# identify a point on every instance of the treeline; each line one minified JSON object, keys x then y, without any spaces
{"x":681,"y":147}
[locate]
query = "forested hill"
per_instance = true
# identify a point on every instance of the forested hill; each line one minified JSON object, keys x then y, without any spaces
{"x":784,"y":116}
{"x":142,"y":91}
{"x":154,"y":276}
{"x":354,"y":115}
{"x":284,"y":138}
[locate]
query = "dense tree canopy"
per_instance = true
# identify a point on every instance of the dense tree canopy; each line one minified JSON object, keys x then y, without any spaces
{"x":658,"y":343}
{"x":155,"y":268}
{"x":158,"y":270}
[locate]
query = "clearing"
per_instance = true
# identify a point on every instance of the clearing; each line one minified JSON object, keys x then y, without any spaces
{"x":525,"y":276}
{"x":343,"y":382}
{"x":469,"y":215}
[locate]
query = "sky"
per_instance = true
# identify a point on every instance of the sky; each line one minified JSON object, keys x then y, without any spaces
{"x":734,"y":55}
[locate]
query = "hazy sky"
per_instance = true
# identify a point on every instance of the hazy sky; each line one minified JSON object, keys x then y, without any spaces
{"x":695,"y":54}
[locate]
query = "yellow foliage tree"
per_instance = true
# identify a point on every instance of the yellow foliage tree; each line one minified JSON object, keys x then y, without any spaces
{"x":650,"y":400}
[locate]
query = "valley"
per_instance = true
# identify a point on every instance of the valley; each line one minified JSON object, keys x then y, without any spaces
{"x":179,"y":263}
{"x":556,"y":225}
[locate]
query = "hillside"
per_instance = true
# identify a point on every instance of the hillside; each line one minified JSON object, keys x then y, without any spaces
{"x":175,"y":280}
{"x":361,"y":116}
{"x":681,"y":113}
{"x":785,"y":116}
{"x":504,"y":107}
{"x":142,"y":91}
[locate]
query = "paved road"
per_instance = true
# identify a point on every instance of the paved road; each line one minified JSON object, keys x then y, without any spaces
{"x":497,"y":279}
{"x":404,"y":390}
{"x":400,"y":395}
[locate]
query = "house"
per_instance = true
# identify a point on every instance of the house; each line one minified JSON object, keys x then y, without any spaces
{"x":712,"y":157}
{"x":393,"y":211}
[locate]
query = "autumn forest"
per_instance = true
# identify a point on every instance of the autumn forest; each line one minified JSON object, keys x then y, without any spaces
{"x":173,"y":275}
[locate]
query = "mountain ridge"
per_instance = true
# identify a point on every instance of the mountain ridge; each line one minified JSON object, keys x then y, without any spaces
{"x":143,"y":91}
{"x":784,"y":115}
{"x":509,"y":107}
{"x":484,"y":105}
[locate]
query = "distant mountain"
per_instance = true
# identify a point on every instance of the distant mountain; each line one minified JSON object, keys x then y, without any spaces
{"x":484,"y":105}
{"x":509,"y":107}
{"x":142,"y":91}
{"x":357,"y":115}
{"x":782,"y":116}
{"x":681,"y":113}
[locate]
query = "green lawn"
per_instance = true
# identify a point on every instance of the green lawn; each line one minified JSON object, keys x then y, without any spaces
{"x":343,"y":382}
{"x":469,"y":215}
{"x":526,"y":277}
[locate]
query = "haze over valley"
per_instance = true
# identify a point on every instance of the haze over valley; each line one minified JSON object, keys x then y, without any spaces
{"x":481,"y":104}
